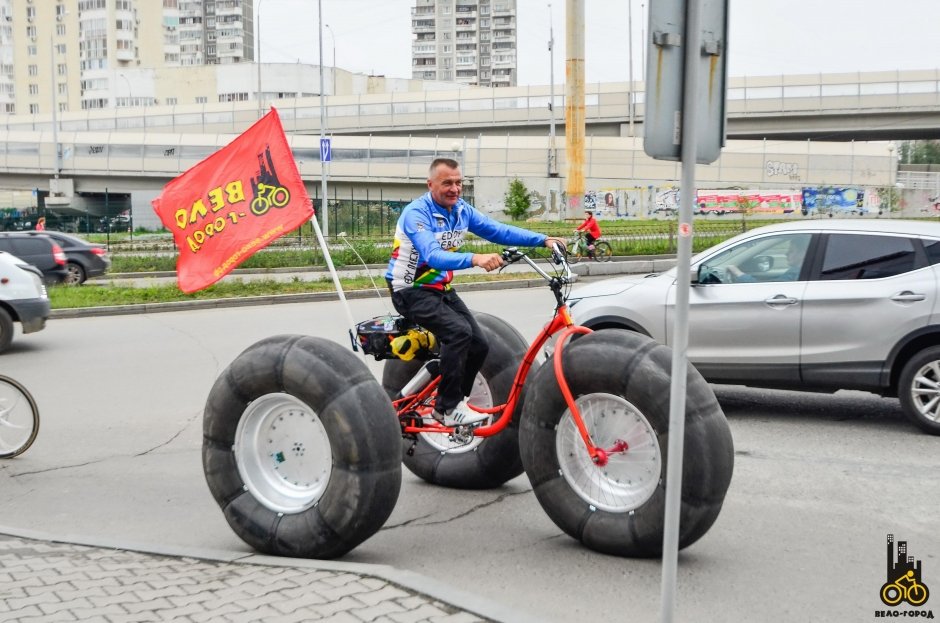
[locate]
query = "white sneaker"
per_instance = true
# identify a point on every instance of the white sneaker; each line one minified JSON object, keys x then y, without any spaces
{"x":461,"y":415}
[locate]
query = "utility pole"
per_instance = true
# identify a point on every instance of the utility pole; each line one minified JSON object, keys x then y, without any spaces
{"x":325,"y":215}
{"x":630,"y":60}
{"x":574,"y":104}
{"x":552,"y":152}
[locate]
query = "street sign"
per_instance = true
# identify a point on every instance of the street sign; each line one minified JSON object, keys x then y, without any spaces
{"x":665,"y":71}
{"x":325,"y":150}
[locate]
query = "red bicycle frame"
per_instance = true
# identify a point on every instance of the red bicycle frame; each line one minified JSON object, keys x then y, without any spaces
{"x":420,"y":402}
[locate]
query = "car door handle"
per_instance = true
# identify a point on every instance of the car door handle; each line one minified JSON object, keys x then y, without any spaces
{"x":781,"y":299}
{"x":908,"y":297}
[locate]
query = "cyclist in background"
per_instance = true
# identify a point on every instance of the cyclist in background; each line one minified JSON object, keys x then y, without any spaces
{"x":591,"y":229}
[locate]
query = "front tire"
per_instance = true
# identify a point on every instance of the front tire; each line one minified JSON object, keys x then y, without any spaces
{"x":484,"y":463}
{"x":300,"y":448}
{"x":19,"y":418}
{"x":621,"y":383}
{"x":919,"y":389}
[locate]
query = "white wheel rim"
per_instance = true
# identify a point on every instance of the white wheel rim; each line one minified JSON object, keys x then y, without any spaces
{"x":480,"y":396}
{"x":283,"y":453}
{"x":925,"y":391}
{"x":630,"y":477}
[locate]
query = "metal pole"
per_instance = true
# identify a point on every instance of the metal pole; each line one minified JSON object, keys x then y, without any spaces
{"x":258,"y":55}
{"x":552,"y":151}
{"x":691,"y":41}
{"x":324,"y":212}
{"x":55,"y":118}
{"x":574,"y":104}
{"x":630,"y":59}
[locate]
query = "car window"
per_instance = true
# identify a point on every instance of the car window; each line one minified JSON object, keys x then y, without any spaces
{"x":770,"y":258}
{"x":863,"y":256}
{"x":932,"y":247}
{"x":31,"y":246}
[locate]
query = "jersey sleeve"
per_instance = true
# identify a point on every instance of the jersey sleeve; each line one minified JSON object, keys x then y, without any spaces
{"x":501,"y":233}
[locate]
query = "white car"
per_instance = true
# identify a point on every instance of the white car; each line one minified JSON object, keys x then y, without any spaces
{"x":816,"y":305}
{"x":23,"y":298}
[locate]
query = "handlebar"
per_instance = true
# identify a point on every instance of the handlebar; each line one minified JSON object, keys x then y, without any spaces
{"x":559,"y":258}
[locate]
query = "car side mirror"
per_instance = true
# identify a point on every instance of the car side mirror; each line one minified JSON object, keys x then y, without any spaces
{"x":707,"y":274}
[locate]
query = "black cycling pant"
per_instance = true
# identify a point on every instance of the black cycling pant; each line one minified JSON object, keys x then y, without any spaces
{"x":463,"y":344}
{"x":589,"y":238}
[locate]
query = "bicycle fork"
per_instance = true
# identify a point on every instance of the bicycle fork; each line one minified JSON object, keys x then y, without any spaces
{"x":599,"y":456}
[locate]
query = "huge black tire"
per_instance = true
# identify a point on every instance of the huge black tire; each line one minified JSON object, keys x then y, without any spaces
{"x":484,"y":463}
{"x":6,"y":330}
{"x":301,"y":448}
{"x":621,"y":382}
{"x":917,"y":389}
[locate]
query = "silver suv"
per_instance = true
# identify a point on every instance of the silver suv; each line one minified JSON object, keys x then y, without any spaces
{"x":810,"y":305}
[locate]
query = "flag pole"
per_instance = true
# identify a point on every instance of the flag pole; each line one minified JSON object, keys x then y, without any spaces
{"x":336,"y":282}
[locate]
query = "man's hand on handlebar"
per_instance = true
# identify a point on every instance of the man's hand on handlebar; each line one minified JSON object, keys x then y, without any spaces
{"x":557,"y":246}
{"x":551,"y":241}
{"x":487,"y":261}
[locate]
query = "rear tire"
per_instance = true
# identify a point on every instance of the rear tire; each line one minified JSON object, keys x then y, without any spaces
{"x":917,"y":389}
{"x":602,"y":251}
{"x":621,"y":381}
{"x":300,"y":448}
{"x":75,"y":275}
{"x":484,"y":463}
{"x":6,"y":330}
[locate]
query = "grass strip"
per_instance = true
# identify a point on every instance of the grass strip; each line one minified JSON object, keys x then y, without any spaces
{"x":89,"y":295}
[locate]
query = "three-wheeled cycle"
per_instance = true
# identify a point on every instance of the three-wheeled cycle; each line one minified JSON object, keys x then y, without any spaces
{"x":303,"y":447}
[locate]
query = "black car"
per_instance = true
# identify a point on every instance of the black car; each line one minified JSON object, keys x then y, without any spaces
{"x":83,"y":259}
{"x":39,"y":250}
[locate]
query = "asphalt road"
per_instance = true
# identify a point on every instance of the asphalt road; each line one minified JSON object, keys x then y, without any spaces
{"x":819,"y":480}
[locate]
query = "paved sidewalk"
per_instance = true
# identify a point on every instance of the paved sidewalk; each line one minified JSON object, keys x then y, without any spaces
{"x":47,"y":580}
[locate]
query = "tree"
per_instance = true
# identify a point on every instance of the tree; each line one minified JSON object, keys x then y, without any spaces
{"x":919,"y":152}
{"x":518,"y":200}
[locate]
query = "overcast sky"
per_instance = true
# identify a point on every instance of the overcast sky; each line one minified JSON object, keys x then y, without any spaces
{"x":767,"y":37}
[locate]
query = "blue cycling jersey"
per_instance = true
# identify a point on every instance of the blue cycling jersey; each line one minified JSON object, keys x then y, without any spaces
{"x":427,"y":238}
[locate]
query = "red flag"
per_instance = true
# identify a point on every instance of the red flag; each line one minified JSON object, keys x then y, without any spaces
{"x":234,"y":203}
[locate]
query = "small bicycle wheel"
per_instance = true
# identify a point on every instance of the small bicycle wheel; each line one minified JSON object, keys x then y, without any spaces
{"x":19,"y":418}
{"x":602,"y":251}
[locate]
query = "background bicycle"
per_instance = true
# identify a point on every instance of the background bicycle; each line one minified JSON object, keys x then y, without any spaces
{"x":19,"y":418}
{"x":578,"y":248}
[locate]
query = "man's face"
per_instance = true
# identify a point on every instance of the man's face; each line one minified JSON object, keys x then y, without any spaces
{"x":445,"y":185}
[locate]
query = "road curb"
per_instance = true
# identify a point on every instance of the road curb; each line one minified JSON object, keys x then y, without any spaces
{"x":586,"y":270}
{"x":277,"y":299}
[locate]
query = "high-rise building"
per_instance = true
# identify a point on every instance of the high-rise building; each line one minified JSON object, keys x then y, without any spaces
{"x":89,"y":54}
{"x":465,"y":41}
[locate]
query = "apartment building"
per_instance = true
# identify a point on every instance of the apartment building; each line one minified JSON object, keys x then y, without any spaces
{"x":67,"y":55}
{"x":466,"y":41}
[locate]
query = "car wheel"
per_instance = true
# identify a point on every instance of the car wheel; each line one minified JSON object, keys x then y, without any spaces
{"x":76,"y":274}
{"x":6,"y":330}
{"x":919,"y":389}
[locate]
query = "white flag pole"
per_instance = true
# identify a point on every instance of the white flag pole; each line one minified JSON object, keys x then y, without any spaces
{"x":339,"y":286}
